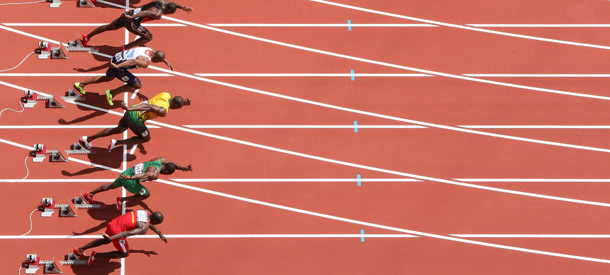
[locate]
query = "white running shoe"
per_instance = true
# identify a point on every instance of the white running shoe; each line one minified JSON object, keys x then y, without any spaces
{"x":112,"y":145}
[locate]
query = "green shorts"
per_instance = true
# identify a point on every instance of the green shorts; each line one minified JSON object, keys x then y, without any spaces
{"x":133,"y":186}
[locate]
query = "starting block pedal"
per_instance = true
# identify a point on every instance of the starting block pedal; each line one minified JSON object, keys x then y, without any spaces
{"x":77,"y":46}
{"x":80,"y":203}
{"x":67,"y":210}
{"x":78,"y":149}
{"x":85,"y":4}
{"x":54,"y":3}
{"x":56,"y":156}
{"x":72,"y":259}
{"x":58,"y":53}
{"x":72,"y":95}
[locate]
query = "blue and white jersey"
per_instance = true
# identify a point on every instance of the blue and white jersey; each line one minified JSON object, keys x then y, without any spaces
{"x":131,"y":54}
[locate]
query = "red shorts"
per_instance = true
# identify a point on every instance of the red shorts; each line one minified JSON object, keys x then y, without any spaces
{"x":120,"y":244}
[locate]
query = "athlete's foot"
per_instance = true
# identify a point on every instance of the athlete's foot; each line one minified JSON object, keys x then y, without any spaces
{"x":86,"y":143}
{"x":112,"y":145}
{"x":119,"y":203}
{"x":91,"y":258}
{"x":109,"y":97}
{"x":123,"y":48}
{"x":88,"y":198}
{"x":79,"y":253}
{"x":84,"y":40}
{"x":79,"y":87}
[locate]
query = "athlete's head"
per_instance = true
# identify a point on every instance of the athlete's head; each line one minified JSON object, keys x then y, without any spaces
{"x":156,"y":218}
{"x":157,"y":56}
{"x":168,"y":168}
{"x":178,"y":102}
{"x":170,"y":8}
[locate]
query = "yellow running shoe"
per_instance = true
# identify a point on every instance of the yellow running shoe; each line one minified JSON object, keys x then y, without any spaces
{"x":109,"y":97}
{"x":79,"y":88}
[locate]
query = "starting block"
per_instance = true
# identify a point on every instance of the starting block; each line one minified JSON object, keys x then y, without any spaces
{"x":78,"y":149}
{"x":54,"y":3}
{"x":85,"y":3}
{"x":31,"y":98}
{"x":77,"y":46}
{"x":58,"y":53}
{"x":70,"y":209}
{"x":72,"y":95}
{"x":33,"y":262}
{"x":41,"y":152}
{"x":44,"y":50}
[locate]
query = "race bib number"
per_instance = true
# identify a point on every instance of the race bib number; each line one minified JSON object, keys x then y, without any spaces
{"x":125,"y":78}
{"x":139,"y":168}
{"x":141,"y":216}
{"x":122,"y":56}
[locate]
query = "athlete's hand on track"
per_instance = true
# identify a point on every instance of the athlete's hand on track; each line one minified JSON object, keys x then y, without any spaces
{"x":188,"y":168}
{"x":105,"y":235}
{"x":163,"y":239}
{"x":188,"y":9}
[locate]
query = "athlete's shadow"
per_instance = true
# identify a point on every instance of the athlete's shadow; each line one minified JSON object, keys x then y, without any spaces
{"x":107,"y":50}
{"x":132,"y":4}
{"x":98,"y":267}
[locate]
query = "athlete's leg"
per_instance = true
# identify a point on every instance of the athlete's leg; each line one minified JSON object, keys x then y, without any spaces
{"x":133,"y":140}
{"x":107,"y":132}
{"x":126,"y":88}
{"x":95,"y":243}
{"x":96,"y":79}
{"x":135,"y":198}
{"x":103,"y":188}
{"x":142,"y":32}
{"x":101,"y":29}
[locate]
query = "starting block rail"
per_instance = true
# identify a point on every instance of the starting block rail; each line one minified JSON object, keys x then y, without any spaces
{"x":32,"y":263}
{"x":77,"y":46}
{"x":31,"y":98}
{"x":72,"y":95}
{"x":78,"y":149}
{"x":41,"y":152}
{"x":68,"y":210}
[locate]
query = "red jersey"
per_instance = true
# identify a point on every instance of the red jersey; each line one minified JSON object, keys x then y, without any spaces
{"x":127,"y":222}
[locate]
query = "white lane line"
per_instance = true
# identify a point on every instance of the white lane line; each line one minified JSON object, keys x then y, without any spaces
{"x":534,"y":180}
{"x":17,"y":144}
{"x":540,"y":25}
{"x":423,"y":234}
{"x":322,"y":25}
{"x":210,"y":236}
{"x":538,"y":75}
{"x":308,"y":75}
{"x":535,"y":126}
{"x":368,"y":167}
{"x":76,"y":74}
{"x":61,"y":126}
{"x":300,"y":180}
{"x":59,"y":180}
{"x":545,"y":236}
{"x":133,"y":149}
{"x":30,"y":35}
{"x":461,"y":26}
{"x":304,"y":126}
{"x":85,"y":24}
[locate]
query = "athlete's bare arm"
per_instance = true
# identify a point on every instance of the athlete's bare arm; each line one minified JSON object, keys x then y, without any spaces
{"x":152,"y":13}
{"x":178,"y":166}
{"x":140,"y":61}
{"x":154,"y":228}
{"x":160,"y":111}
{"x":151,"y":173}
{"x":186,"y":9}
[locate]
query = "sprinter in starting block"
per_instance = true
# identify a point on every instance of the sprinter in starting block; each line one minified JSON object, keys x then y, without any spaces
{"x":131,"y":178}
{"x":132,"y":21}
{"x":130,"y":224}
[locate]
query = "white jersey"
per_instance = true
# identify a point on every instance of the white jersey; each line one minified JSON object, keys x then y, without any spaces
{"x":142,"y":216}
{"x":132,"y":54}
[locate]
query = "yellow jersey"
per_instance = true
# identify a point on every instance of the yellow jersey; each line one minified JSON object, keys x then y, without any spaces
{"x":161,"y":100}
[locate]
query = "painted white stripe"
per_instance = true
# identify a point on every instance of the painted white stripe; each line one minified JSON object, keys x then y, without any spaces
{"x":77,"y":74}
{"x":535,"y":126}
{"x":563,"y":236}
{"x":59,"y":180}
{"x":534,"y":180}
{"x":135,"y":93}
{"x":538,"y":75}
{"x":423,"y":234}
{"x":61,"y":126}
{"x":309,"y":75}
{"x":299,"y":180}
{"x":30,"y":35}
{"x":462,"y":27}
{"x":304,"y":126}
{"x":133,"y":149}
{"x":540,"y":25}
{"x":17,"y":144}
{"x":85,"y":24}
{"x":210,"y":236}
{"x":322,"y":25}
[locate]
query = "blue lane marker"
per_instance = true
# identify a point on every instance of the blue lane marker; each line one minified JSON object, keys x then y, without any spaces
{"x":349,"y":23}
{"x":356,"y":126}
{"x":362,"y":233}
{"x":359,"y":183}
{"x":353,"y":76}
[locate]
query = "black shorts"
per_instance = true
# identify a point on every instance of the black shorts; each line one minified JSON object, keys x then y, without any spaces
{"x":139,"y":130}
{"x":122,"y":74}
{"x":132,"y":26}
